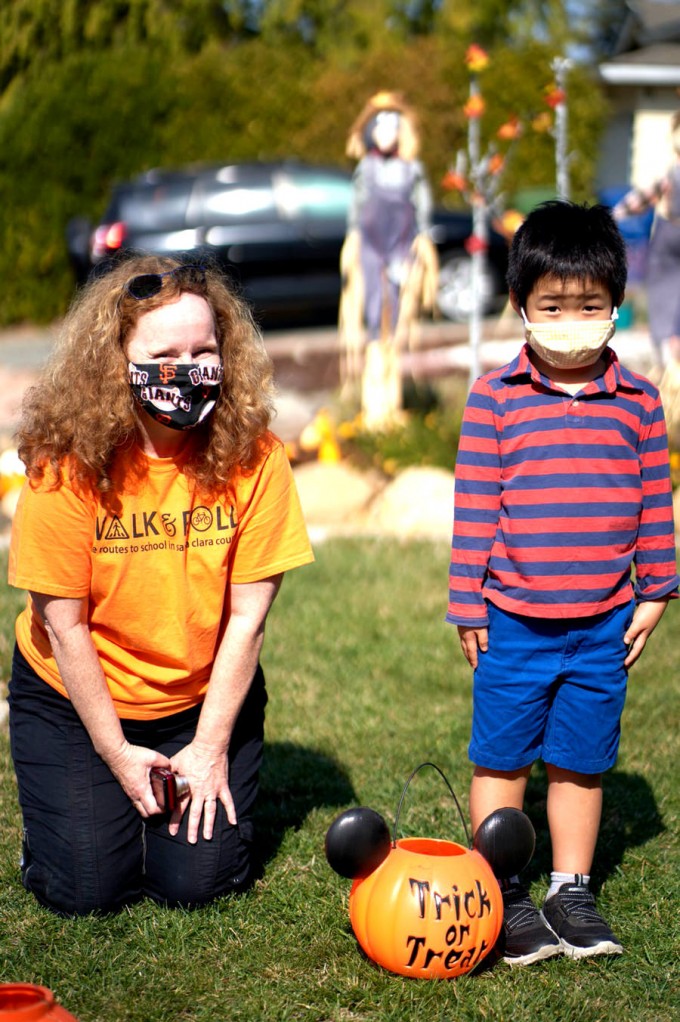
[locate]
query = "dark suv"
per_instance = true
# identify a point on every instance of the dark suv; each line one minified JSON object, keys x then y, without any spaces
{"x":277,"y":228}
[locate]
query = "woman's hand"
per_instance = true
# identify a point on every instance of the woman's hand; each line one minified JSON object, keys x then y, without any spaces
{"x":131,"y":766}
{"x":204,"y":760}
{"x":65,"y":621}
{"x":206,"y":769}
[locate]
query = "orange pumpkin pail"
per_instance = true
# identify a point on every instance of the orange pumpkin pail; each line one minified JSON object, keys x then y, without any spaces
{"x":26,"y":1002}
{"x":424,"y":907}
{"x":432,"y":909}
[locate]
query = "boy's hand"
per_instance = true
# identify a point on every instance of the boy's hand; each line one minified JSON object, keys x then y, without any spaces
{"x":645,"y":619}
{"x":472,"y":641}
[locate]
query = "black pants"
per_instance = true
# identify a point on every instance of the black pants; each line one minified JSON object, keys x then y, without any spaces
{"x":86,"y":848}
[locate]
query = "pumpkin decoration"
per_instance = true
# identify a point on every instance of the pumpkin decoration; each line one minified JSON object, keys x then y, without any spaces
{"x":433,"y":909}
{"x":423,"y":907}
{"x":27,"y":1002}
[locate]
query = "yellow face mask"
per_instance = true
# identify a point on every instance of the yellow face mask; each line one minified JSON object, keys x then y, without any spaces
{"x":570,"y":344}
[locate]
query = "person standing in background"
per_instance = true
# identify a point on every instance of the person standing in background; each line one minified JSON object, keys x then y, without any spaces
{"x":663,"y":262}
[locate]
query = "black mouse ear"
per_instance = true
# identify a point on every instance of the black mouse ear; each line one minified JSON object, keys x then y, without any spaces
{"x":357,"y":841}
{"x":506,"y":839}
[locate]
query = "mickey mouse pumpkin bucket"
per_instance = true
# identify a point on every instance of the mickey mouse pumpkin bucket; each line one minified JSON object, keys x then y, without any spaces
{"x":424,"y":907}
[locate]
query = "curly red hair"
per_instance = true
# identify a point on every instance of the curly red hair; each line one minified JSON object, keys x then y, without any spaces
{"x":81,"y":412}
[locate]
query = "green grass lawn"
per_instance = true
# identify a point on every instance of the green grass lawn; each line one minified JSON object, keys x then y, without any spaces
{"x":366,"y":682}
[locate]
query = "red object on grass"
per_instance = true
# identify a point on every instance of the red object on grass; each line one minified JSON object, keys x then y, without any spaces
{"x":26,"y":1002}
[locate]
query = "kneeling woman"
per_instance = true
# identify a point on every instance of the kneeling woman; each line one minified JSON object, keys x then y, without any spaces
{"x":157,"y":519}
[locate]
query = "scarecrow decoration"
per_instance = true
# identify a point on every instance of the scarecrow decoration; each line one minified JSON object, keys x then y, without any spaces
{"x":389,"y":264}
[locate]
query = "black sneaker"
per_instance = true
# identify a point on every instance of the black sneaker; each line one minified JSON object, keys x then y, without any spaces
{"x":524,"y":938}
{"x":572,"y":916}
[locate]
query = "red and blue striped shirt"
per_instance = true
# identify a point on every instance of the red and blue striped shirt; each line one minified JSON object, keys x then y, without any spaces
{"x":557,"y":496}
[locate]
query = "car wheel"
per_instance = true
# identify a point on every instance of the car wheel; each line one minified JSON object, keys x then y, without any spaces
{"x":454,"y":290}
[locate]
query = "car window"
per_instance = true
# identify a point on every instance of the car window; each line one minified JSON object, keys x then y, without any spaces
{"x":152,"y":206}
{"x":313,"y":194}
{"x":227,"y":203}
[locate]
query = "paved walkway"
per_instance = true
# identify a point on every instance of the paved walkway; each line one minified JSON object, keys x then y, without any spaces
{"x":306,"y":363}
{"x":336,"y":499}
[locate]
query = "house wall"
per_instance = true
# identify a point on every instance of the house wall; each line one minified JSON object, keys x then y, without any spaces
{"x":636,"y":144}
{"x":652,"y":151}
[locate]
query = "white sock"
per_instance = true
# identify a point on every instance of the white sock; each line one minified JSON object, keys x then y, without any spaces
{"x":557,"y":879}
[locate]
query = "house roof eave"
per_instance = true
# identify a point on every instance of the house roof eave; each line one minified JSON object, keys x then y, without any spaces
{"x":640,"y":74}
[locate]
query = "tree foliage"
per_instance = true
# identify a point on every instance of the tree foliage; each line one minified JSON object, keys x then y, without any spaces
{"x":97,"y":90}
{"x":35,"y":31}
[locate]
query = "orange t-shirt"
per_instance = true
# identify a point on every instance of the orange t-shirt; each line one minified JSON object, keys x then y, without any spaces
{"x":157,"y":575}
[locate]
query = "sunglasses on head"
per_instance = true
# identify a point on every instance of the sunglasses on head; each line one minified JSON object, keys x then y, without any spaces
{"x":146,"y":285}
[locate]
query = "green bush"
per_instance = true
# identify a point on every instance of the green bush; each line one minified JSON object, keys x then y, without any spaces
{"x":68,"y":132}
{"x":65,"y":134}
{"x":428,"y":434}
{"x":423,"y":439}
{"x":71,"y":126}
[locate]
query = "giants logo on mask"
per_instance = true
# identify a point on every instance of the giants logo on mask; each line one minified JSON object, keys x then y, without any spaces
{"x":176,"y":395}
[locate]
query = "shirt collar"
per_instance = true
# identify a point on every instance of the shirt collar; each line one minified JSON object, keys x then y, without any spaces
{"x":614,"y":377}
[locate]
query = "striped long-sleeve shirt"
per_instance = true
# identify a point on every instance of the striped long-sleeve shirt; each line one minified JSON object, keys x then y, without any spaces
{"x":558,"y":496}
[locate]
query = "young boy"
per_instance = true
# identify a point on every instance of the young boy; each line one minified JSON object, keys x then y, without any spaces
{"x":562,"y":483}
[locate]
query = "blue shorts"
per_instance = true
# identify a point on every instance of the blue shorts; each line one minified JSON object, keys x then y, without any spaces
{"x":551,"y":690}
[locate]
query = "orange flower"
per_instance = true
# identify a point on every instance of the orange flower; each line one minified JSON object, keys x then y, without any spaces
{"x":476,"y":58}
{"x":555,"y":96}
{"x":543,"y":122}
{"x":453,"y":181}
{"x":475,"y":106}
{"x":510,"y":130}
{"x":496,"y":163}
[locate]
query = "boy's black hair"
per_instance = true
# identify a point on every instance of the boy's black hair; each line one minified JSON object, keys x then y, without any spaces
{"x":568,"y":241}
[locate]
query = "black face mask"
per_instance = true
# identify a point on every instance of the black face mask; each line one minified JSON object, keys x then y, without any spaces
{"x":176,"y":395}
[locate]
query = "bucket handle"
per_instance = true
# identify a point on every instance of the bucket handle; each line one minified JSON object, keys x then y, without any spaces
{"x":453,"y":795}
